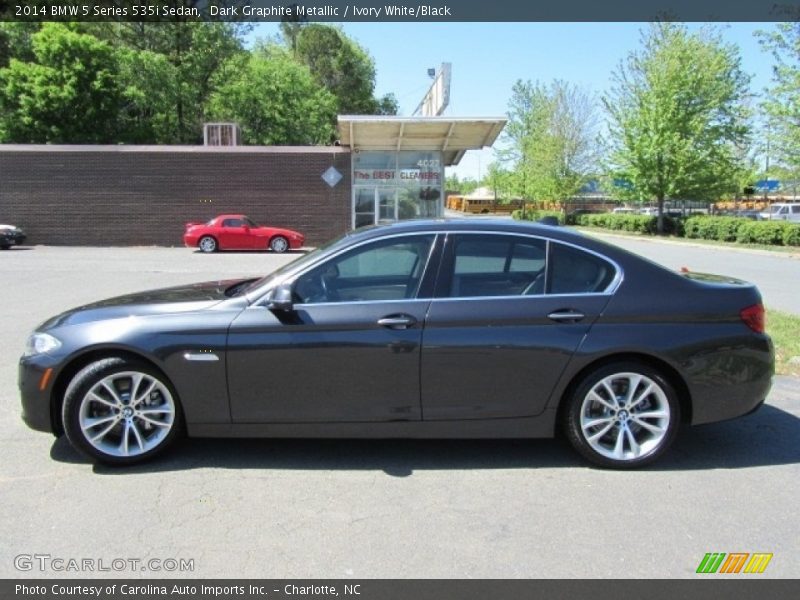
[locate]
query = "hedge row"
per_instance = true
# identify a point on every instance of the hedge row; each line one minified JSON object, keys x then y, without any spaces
{"x":632,"y":223}
{"x":535,"y":215}
{"x":723,"y":229}
{"x":744,"y":231}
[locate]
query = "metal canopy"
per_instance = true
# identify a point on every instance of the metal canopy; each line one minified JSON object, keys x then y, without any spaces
{"x":449,"y":135}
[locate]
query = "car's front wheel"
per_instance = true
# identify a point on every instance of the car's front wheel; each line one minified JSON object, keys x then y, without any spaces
{"x":207,"y":244}
{"x":119,"y":411}
{"x":622,"y":415}
{"x":279,"y":244}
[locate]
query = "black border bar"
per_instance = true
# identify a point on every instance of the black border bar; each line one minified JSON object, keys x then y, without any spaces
{"x":412,"y":11}
{"x":702,"y":587}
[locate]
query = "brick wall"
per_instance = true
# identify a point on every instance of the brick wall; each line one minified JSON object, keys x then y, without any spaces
{"x":124,"y":195}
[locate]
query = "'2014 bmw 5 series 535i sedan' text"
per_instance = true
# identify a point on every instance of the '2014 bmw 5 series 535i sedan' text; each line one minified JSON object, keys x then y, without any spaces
{"x":445,"y":329}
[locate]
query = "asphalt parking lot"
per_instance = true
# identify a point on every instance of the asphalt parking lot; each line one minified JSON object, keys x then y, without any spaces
{"x":374,"y":509}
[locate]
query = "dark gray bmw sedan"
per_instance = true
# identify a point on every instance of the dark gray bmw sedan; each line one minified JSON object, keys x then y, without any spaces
{"x":420,"y":329}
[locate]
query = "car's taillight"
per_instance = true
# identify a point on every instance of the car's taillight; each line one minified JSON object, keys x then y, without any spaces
{"x":754,"y":317}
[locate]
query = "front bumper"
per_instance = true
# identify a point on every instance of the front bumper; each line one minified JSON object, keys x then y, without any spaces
{"x":35,"y":387}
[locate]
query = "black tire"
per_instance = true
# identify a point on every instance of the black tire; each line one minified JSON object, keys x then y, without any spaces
{"x":279,"y":244}
{"x":616,"y":438}
{"x":207,"y":244}
{"x":147,"y":427}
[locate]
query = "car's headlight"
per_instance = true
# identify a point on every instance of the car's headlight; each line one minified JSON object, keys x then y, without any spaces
{"x":41,"y":343}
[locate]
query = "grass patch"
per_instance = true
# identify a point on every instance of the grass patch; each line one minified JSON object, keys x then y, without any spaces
{"x":784,"y":329}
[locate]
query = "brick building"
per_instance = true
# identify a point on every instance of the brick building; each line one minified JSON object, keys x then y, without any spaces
{"x":391,"y":168}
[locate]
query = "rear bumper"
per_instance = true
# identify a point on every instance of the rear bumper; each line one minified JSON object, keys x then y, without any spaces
{"x":735,"y":384}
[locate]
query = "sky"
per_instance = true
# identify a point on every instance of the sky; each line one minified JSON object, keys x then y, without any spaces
{"x":488,"y":58}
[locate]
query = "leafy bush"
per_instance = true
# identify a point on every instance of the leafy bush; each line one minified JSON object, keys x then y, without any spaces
{"x":703,"y":227}
{"x":723,"y":229}
{"x":631,"y":223}
{"x":744,"y":231}
{"x":763,"y":232}
{"x":534,"y":215}
{"x":791,"y":235}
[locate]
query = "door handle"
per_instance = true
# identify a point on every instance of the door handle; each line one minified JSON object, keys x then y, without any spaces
{"x":397,"y":321}
{"x":566,"y":316}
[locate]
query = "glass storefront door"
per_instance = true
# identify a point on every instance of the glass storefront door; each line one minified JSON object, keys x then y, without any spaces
{"x":391,"y":186}
{"x":374,"y":205}
{"x":387,"y":205}
{"x":363,"y":206}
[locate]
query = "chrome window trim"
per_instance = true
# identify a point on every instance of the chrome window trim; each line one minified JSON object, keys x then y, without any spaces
{"x":359,"y":302}
{"x":519,"y":297}
{"x":610,"y":289}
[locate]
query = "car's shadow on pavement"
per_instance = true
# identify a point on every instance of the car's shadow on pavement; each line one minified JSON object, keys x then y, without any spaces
{"x":766,"y":438}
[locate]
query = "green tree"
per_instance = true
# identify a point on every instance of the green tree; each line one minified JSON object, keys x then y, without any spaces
{"x":460,"y":186}
{"x":678,"y":116}
{"x":16,"y":41}
{"x":782,"y":104}
{"x":195,"y":53}
{"x":68,"y":94}
{"x":344,"y":68}
{"x":550,"y":139}
{"x":290,"y":29}
{"x":499,"y":180}
{"x":150,"y":86}
{"x":275,"y":100}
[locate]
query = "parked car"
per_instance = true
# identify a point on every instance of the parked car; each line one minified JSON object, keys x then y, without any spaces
{"x":11,"y":235}
{"x":781,"y":211}
{"x":421,"y":329}
{"x":239,"y":232}
{"x":753,"y":215}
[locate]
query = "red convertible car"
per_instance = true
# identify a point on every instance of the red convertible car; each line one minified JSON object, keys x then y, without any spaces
{"x":239,"y":232}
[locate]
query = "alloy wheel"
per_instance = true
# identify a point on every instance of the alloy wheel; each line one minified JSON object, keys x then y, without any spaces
{"x":127,"y":414}
{"x":625,"y":416}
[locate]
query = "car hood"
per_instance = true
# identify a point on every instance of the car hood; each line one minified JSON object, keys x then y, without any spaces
{"x":182,"y":298}
{"x":264,"y":230}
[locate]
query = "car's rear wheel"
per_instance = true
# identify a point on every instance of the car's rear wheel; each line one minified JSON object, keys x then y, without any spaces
{"x":119,"y":411}
{"x":622,"y":415}
{"x":207,"y":244}
{"x":279,"y":244}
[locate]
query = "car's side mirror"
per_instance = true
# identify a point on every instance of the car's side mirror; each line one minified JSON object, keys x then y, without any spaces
{"x":281,"y":298}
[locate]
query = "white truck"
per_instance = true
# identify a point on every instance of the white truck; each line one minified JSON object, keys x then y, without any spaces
{"x":782,"y":211}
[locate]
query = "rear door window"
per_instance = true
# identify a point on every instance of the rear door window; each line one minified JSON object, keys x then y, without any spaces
{"x":574,"y":271}
{"x":497,"y":265}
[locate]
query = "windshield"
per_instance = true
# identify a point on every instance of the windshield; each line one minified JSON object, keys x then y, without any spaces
{"x":298,"y":263}
{"x":775,"y":209}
